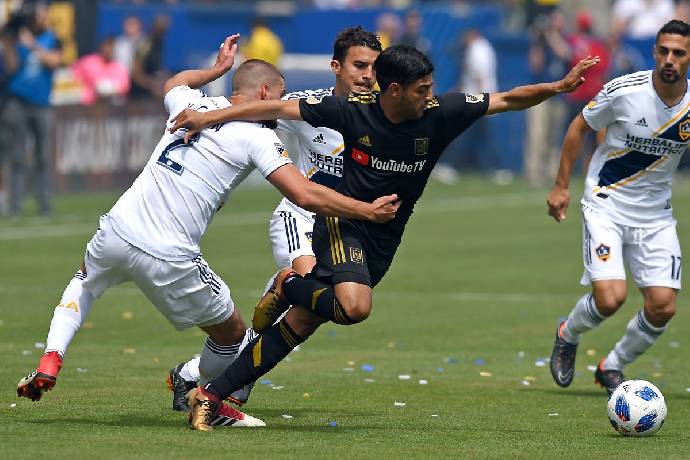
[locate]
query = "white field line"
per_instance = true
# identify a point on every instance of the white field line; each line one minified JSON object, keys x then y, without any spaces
{"x":238,"y":219}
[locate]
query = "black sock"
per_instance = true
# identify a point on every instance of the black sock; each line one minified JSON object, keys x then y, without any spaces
{"x":260,"y":356}
{"x":316,"y":296}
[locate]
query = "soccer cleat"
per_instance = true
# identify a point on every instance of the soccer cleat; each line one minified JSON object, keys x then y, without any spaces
{"x":272,"y":304}
{"x":42,"y":379}
{"x":563,"y":359}
{"x":180,"y":388}
{"x":203,"y":410}
{"x":609,"y":379}
{"x":241,"y":396}
{"x":229,"y":416}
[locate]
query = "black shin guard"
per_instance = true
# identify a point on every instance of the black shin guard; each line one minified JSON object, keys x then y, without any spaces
{"x":260,"y":356}
{"x":318,"y":297}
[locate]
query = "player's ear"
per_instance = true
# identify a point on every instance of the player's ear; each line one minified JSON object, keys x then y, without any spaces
{"x":263,"y":92}
{"x":395,"y":89}
{"x":335,"y":66}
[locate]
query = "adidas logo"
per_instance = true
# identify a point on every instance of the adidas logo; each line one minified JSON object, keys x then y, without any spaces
{"x":318,"y":139}
{"x":641,"y":122}
{"x":364,"y":140}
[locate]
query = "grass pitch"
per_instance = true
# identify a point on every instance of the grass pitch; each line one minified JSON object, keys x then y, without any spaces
{"x":470,"y":306}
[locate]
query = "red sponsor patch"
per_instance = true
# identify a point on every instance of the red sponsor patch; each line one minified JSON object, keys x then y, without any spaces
{"x":360,"y":157}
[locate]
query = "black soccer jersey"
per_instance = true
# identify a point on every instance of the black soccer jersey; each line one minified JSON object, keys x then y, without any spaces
{"x":381,"y":157}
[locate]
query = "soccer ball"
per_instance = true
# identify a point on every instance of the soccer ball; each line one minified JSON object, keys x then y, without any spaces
{"x":636,"y":408}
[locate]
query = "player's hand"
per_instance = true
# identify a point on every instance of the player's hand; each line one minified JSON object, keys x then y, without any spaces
{"x":574,"y":78}
{"x":191,"y":120}
{"x":226,"y":54}
{"x":558,"y":201}
{"x":384,"y":208}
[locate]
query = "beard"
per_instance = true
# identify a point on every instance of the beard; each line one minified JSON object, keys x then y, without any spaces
{"x":666,"y":78}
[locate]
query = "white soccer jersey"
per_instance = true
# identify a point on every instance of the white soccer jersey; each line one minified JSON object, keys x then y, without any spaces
{"x":317,"y":152}
{"x":169,"y":206}
{"x":630,"y":174}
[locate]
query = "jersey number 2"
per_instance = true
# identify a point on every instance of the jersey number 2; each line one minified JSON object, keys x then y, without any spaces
{"x":166,"y":162}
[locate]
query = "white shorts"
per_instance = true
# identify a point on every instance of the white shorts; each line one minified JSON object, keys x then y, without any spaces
{"x":290,"y":233}
{"x":651,"y":253}
{"x":188,"y":293}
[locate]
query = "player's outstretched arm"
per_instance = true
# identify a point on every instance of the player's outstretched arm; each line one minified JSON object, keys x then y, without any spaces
{"x":559,"y":197}
{"x":199,"y":77}
{"x":327,"y":202}
{"x":195,"y":121}
{"x":523,"y":97}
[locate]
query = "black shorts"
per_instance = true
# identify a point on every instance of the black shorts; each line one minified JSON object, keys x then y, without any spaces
{"x":346,"y":252}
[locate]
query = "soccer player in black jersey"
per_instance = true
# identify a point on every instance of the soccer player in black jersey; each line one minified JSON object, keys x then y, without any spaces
{"x":393,"y":140}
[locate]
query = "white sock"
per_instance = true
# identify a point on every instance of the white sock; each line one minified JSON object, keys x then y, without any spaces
{"x":216,"y":358}
{"x":69,"y":315}
{"x":190,"y":370}
{"x":639,"y":336}
{"x":583,"y":317}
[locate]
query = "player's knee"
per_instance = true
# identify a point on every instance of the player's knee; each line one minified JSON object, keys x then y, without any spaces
{"x":609,"y":302}
{"x":660,"y":313}
{"x":357,"y":311}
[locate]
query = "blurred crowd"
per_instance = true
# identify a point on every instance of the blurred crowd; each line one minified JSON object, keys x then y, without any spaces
{"x":40,"y":66}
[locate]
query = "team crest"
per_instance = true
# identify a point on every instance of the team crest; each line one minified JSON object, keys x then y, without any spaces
{"x":357,"y":256}
{"x":281,"y":149}
{"x":591,"y":104}
{"x":684,"y":130}
{"x":421,"y":146}
{"x":313,"y":100}
{"x":474,"y":98}
{"x":364,"y":140}
{"x":603,"y":252}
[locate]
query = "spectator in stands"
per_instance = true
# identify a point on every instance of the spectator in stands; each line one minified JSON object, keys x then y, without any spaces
{"x":388,"y":28}
{"x":583,"y":43}
{"x":263,"y":43}
{"x":641,"y":18}
{"x":32,"y":54}
{"x":101,"y":77}
{"x":412,"y":34}
{"x":548,"y":57}
{"x":478,"y":76}
{"x":126,"y":44}
{"x":625,"y":59}
{"x":148,"y":73}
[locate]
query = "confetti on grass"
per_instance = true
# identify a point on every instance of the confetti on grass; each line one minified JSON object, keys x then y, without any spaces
{"x":332,"y":424}
{"x":287,"y":416}
{"x":591,"y":368}
{"x":399,"y":404}
{"x":367,"y":368}
{"x":554,"y":414}
{"x":485,"y":374}
{"x":404,"y":377}
{"x":423,"y":382}
{"x":39,"y":345}
{"x":127,"y":315}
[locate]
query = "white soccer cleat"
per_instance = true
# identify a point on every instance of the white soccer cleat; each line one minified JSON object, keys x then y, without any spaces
{"x":229,"y":416}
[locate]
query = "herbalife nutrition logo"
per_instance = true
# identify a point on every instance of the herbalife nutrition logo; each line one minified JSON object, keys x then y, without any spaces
{"x":318,"y":139}
{"x":641,"y":122}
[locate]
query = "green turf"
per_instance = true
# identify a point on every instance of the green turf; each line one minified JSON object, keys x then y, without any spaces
{"x":482,"y":277}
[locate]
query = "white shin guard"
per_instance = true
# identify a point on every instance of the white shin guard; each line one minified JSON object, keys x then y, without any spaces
{"x":69,"y":315}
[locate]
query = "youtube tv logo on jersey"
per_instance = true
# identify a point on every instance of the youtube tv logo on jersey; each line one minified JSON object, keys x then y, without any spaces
{"x":360,"y":157}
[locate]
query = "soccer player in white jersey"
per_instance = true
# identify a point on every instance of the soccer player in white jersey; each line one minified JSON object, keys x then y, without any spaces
{"x":317,"y":154}
{"x":626,"y":205}
{"x":152,"y":234}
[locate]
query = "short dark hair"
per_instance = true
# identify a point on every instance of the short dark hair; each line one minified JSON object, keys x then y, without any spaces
{"x":354,"y":36}
{"x":401,"y":64}
{"x":674,"y":27}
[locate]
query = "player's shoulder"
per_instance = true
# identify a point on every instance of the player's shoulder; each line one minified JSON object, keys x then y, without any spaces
{"x":626,"y":84}
{"x":307,"y":93}
{"x":362,"y":98}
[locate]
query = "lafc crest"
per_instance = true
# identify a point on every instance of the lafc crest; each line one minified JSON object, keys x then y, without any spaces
{"x":362,"y":98}
{"x":421,"y":146}
{"x":684,"y":130}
